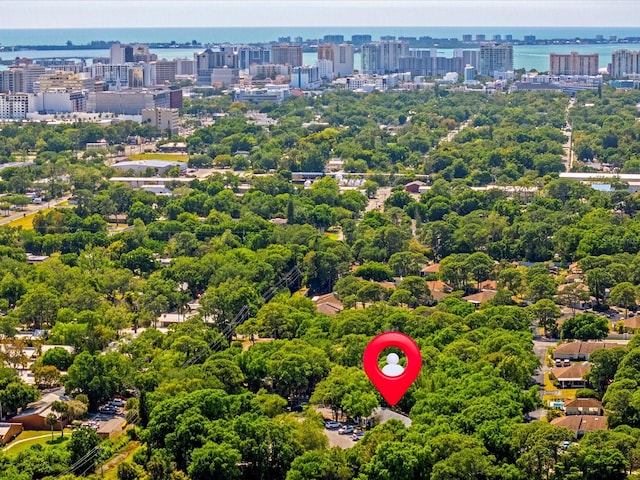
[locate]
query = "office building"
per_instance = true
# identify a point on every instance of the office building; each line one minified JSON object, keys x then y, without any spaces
{"x":61,"y":101}
{"x":185,"y":66}
{"x":223,"y":77}
{"x":119,"y":54}
{"x":360,"y":39}
{"x":574,"y":64}
{"x":165,"y":119}
{"x":175,"y":97}
{"x":287,"y":55}
{"x":305,"y":78}
{"x":16,"y":106}
{"x":383,"y":57}
{"x":624,"y":63}
{"x":65,"y":81}
{"x":270,"y":93}
{"x":341,"y":56}
{"x":495,"y":56}
{"x":166,"y":71}
{"x":128,"y":102}
{"x":210,"y":59}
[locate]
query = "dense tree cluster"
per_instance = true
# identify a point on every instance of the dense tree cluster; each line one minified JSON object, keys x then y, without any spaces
{"x":211,"y":395}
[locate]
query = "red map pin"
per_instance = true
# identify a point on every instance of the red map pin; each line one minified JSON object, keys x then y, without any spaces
{"x":393,"y":380}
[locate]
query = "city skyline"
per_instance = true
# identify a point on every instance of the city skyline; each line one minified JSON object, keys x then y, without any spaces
{"x":315,"y":13}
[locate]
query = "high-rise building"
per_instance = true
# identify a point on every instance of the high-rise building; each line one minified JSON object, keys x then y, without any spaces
{"x":467,"y":38}
{"x":248,"y":54}
{"x":480,"y":37}
{"x":341,"y":56}
{"x":469,"y":73}
{"x":574,"y":64}
{"x":65,"y":81}
{"x":285,"y":54}
{"x":625,"y":62}
{"x":495,"y":57}
{"x":119,"y":54}
{"x":529,"y":39}
{"x":12,"y":80}
{"x":334,"y":39}
{"x":384,"y":56}
{"x":209,"y":59}
{"x":417,"y":66}
{"x":360,"y":39}
{"x":166,"y":71}
{"x":16,"y":106}
{"x":185,"y":66}
{"x":32,"y":74}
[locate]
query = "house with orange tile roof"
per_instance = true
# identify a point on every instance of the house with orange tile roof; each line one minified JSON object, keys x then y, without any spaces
{"x":572,"y":376}
{"x":583,"y":406}
{"x":580,"y":424}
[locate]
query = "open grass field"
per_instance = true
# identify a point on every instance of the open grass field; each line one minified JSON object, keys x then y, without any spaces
{"x":35,"y":437}
{"x":27,"y":222}
{"x":179,"y":157}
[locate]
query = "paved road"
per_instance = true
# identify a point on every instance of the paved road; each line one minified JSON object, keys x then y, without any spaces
{"x":32,"y":209}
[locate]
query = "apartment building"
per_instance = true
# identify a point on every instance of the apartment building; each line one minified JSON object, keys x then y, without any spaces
{"x":165,"y":119}
{"x":495,"y":57}
{"x":341,"y":55}
{"x":286,"y":54}
{"x":383,"y":57}
{"x":624,"y":63}
{"x":573,"y":63}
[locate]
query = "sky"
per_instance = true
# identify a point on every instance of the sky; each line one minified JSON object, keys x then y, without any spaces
{"x":316,"y":13}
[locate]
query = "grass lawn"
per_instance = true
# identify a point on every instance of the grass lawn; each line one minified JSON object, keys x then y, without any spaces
{"x":27,"y":222}
{"x":179,"y":157}
{"x":35,"y":437}
{"x":565,"y":394}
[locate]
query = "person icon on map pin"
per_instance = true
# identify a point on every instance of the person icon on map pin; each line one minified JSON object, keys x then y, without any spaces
{"x":392,"y":369}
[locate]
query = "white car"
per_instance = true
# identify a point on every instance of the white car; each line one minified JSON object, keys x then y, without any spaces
{"x":347,"y":429}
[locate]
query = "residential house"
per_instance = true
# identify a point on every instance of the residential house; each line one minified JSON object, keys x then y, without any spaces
{"x":579,"y":350}
{"x":328,"y":304}
{"x":572,"y":376}
{"x":439,"y":289}
{"x":430,"y":270}
{"x":583,"y":406}
{"x":580,"y":424}
{"x":480,"y":297}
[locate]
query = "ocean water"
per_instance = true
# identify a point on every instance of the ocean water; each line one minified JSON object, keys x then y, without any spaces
{"x":80,"y":36}
{"x":525,"y":56}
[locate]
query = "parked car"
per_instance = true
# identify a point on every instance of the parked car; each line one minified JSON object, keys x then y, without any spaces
{"x":117,"y":402}
{"x":347,"y":429}
{"x":558,"y":362}
{"x":357,"y":435}
{"x":566,"y":444}
{"x":331,"y":425}
{"x":567,"y":362}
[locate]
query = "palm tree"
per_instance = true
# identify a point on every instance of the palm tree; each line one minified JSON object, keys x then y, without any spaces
{"x":51,"y":420}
